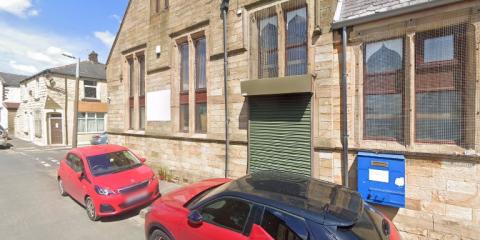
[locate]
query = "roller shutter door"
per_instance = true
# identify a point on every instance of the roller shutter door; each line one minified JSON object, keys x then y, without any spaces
{"x":280,"y":133}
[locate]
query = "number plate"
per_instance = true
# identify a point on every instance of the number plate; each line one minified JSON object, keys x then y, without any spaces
{"x":137,"y":197}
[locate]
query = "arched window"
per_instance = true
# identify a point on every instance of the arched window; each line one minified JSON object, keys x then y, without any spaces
{"x":296,"y":45}
{"x":383,"y":88}
{"x":268,"y":47}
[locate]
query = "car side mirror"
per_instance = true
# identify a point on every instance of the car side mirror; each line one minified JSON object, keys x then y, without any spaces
{"x":143,"y":160}
{"x":80,"y":175}
{"x":258,"y":233}
{"x":195,"y":218}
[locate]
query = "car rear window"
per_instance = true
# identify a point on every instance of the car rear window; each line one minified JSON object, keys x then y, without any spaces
{"x":363,"y":229}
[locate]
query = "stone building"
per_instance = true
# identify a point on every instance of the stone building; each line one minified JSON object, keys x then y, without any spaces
{"x":9,"y":99}
{"x":45,"y":115}
{"x":165,"y":80}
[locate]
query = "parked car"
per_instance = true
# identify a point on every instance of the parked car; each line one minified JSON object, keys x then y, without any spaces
{"x":106,"y":179}
{"x":3,"y":137}
{"x":99,"y":139}
{"x":265,"y":205}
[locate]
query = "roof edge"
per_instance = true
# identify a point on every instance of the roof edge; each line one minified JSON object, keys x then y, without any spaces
{"x":118,"y":33}
{"x":392,"y":13}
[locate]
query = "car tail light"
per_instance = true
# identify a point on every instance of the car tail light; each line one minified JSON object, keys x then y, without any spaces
{"x":390,"y":230}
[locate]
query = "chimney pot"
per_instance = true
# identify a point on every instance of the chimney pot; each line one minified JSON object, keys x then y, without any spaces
{"x":93,"y":57}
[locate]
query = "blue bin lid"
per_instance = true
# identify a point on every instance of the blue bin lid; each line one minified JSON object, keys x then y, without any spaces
{"x":381,"y":155}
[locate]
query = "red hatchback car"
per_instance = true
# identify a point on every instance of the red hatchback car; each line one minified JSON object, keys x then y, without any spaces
{"x":106,"y":179}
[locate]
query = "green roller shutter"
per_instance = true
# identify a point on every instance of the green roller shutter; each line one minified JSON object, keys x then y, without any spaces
{"x":280,"y":133}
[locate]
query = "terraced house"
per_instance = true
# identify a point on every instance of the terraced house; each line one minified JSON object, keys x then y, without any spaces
{"x":45,"y":115}
{"x":382,"y":95}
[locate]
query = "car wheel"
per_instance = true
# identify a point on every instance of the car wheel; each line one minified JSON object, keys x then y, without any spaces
{"x":159,"y":235}
{"x":60,"y":188}
{"x":91,"y":211}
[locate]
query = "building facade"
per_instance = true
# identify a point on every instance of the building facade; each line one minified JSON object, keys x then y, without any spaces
{"x":411,"y":90}
{"x":45,"y":115}
{"x":10,"y":99}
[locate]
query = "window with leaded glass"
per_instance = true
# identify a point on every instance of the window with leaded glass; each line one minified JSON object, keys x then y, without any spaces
{"x":383,"y":89}
{"x":296,"y":44}
{"x":268,"y":47}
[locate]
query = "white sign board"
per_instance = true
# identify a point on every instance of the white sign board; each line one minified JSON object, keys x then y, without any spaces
{"x":158,"y":106}
{"x":378,"y":175}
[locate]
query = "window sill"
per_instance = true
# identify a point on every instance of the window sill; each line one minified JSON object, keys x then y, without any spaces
{"x":91,"y":100}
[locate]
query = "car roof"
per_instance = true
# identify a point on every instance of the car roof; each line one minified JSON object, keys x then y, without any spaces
{"x":95,"y":150}
{"x":319,"y":201}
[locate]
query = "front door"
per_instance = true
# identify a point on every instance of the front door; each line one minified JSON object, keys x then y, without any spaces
{"x":56,"y":131}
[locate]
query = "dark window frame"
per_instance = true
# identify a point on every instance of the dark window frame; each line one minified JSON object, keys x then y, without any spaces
{"x":402,"y":86}
{"x":270,"y":13}
{"x":287,"y":47}
{"x":142,"y":86}
{"x":200,"y":93}
{"x":458,"y":70}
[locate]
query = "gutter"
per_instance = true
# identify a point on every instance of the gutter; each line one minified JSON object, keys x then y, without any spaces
{"x":392,"y":13}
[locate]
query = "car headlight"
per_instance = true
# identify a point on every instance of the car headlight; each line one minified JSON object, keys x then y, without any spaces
{"x":104,"y":191}
{"x":152,"y":178}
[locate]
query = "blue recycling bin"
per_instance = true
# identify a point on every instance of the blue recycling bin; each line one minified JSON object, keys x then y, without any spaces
{"x":381,"y":178}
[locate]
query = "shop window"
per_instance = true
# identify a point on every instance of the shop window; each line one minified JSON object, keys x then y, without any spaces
{"x":91,"y":122}
{"x":384,"y":89}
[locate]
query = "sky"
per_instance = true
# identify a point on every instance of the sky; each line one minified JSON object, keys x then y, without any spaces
{"x":35,"y":33}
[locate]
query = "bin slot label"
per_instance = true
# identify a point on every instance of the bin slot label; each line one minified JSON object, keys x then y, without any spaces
{"x":378,"y":175}
{"x":379,"y":164}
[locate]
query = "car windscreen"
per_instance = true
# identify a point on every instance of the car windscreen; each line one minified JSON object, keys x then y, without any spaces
{"x":112,"y":162}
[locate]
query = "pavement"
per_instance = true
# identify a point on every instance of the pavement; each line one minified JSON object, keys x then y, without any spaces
{"x":32,"y":208}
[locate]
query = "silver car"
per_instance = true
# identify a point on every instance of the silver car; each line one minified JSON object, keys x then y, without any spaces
{"x":3,"y":137}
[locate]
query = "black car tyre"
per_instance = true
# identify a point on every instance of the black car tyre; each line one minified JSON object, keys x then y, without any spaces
{"x":159,"y":235}
{"x":61,"y":190}
{"x":91,"y":211}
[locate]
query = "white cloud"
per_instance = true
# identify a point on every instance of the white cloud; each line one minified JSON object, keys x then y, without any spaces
{"x":116,"y":17}
{"x":20,"y":8}
{"x":106,"y":37}
{"x":23,"y":68}
{"x":24,"y":51}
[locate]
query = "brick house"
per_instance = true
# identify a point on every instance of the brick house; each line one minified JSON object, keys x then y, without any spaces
{"x":45,"y":115}
{"x":9,"y":99}
{"x":414,"y":96}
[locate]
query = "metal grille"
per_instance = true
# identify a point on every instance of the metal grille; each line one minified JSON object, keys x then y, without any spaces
{"x":431,"y":102}
{"x":440,"y":75}
{"x":281,"y":39}
{"x":133,"y":188}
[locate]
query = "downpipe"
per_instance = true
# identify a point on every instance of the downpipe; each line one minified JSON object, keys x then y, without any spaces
{"x":224,"y":10}
{"x":344,"y":108}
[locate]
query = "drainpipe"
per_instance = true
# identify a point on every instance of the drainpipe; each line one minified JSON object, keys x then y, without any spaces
{"x":344,"y":108}
{"x":224,"y":9}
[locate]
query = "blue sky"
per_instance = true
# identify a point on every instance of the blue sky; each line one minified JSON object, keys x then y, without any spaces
{"x":36,"y":32}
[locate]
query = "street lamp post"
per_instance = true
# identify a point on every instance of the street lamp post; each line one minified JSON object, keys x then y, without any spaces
{"x":75,"y":103}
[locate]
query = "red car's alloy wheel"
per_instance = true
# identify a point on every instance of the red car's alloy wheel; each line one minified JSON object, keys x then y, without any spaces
{"x":159,"y":235}
{"x":60,"y":188}
{"x":91,"y":212}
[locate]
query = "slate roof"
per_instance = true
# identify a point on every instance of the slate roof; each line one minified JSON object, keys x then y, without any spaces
{"x":88,"y":69}
{"x":11,"y":80}
{"x":359,"y":8}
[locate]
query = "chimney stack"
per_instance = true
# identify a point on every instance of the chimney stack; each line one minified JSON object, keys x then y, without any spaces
{"x":93,"y":57}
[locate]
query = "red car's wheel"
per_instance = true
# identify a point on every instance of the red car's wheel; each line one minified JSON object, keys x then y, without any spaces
{"x":159,"y":235}
{"x":91,"y":211}
{"x":61,"y":190}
